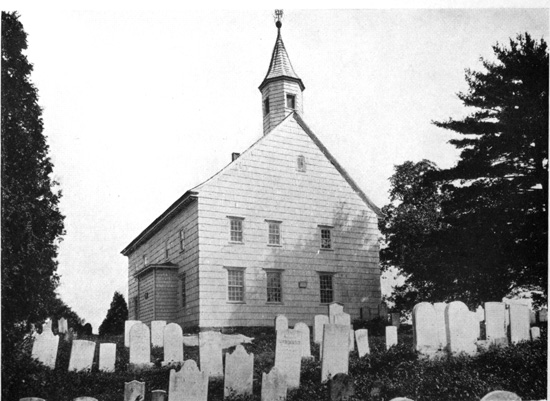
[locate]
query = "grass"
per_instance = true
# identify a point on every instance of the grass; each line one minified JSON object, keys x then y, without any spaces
{"x":382,"y":375}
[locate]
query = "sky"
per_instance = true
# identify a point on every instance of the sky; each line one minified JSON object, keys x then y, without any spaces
{"x":141,"y":105}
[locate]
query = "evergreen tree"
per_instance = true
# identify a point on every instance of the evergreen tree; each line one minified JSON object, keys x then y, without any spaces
{"x":31,"y":221}
{"x":116,"y":316}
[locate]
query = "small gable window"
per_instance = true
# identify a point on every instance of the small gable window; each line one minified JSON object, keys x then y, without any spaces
{"x":326,"y":237}
{"x":236,"y":229}
{"x":291,"y":101}
{"x":301,"y":163}
{"x":266,"y":106}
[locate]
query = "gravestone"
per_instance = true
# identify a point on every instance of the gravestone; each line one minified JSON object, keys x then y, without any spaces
{"x":82,"y":355}
{"x":396,"y":319}
{"x":439,"y":308}
{"x":341,"y":387}
{"x":425,"y":334}
{"x":495,"y":326}
{"x":157,"y":333}
{"x":543,"y":315}
{"x":319,"y":322}
{"x":480,"y":313}
{"x":335,"y":350}
{"x":281,"y":323}
{"x":460,"y":332}
{"x":173,"y":344}
{"x":306,"y":346}
{"x":519,"y":323}
{"x":127,"y":326}
{"x":85,"y":399}
{"x":210,"y":353}
{"x":239,"y":368}
{"x":62,"y":326}
{"x":351,"y":339}
{"x":383,"y":311}
{"x":341,"y":319}
{"x":501,"y":396}
{"x":107,"y":357}
{"x":391,"y":336}
{"x":274,"y":386}
{"x":134,"y":391}
{"x":535,"y":333}
{"x":334,"y":308}
{"x":189,"y":384}
{"x":44,"y":348}
{"x":288,"y":356}
{"x":47,"y":326}
{"x":362,"y":338}
{"x":532,"y":317}
{"x":158,"y":395}
{"x":31,"y":399}
{"x":140,"y":346}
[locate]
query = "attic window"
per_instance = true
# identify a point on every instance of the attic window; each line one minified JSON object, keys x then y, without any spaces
{"x":290,"y":101}
{"x":266,"y":106}
{"x":301,"y":163}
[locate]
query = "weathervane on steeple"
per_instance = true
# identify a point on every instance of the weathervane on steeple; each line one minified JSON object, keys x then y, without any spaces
{"x":278,"y":16}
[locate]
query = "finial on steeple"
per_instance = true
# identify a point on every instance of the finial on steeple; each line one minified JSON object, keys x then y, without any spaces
{"x":278,"y":17}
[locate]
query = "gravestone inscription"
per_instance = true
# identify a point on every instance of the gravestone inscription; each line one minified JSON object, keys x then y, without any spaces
{"x":288,"y":356}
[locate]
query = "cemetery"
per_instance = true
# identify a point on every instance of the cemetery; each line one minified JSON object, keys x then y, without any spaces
{"x":498,"y":351}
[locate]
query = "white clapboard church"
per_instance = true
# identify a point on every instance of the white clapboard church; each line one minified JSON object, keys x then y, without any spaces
{"x":282,"y":229}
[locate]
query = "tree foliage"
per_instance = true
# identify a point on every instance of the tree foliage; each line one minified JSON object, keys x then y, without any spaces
{"x":487,"y":232}
{"x":31,"y":221}
{"x":116,"y":316}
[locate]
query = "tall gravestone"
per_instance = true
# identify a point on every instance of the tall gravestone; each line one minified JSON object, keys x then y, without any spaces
{"x":288,"y":356}
{"x":425,"y":334}
{"x":62,"y":326}
{"x":210,"y":353}
{"x":140,"y":346}
{"x":189,"y":384}
{"x":391,"y":336}
{"x":107,"y":357}
{"x":439,"y":308}
{"x":82,"y":355}
{"x":281,"y":323}
{"x":335,"y":350}
{"x":239,"y":368}
{"x":306,"y":346}
{"x":362,"y":339}
{"x":274,"y":386}
{"x":458,"y":320}
{"x":318,"y":322}
{"x":334,"y":308}
{"x":127,"y":326}
{"x":45,"y":345}
{"x":495,"y":326}
{"x":134,"y":391}
{"x":519,"y":323}
{"x":173,"y":344}
{"x":157,"y":332}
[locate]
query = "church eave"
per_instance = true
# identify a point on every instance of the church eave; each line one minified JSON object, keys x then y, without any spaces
{"x":281,"y":78}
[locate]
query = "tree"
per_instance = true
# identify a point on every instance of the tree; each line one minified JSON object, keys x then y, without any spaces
{"x":490,"y":239}
{"x":31,"y":221}
{"x":116,"y":316}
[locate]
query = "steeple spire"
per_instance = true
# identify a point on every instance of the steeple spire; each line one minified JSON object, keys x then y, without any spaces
{"x":281,"y":88}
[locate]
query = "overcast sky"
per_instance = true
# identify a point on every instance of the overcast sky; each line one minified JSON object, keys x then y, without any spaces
{"x":140,"y":106}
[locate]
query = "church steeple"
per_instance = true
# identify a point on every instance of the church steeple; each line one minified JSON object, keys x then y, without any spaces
{"x":281,"y":88}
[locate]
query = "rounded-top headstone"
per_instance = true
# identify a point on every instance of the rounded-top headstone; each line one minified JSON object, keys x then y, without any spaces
{"x":501,"y":396}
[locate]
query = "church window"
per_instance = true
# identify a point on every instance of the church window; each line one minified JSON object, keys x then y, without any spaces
{"x":235,"y":285}
{"x":326,"y":237}
{"x":301,"y":162}
{"x":274,"y":233}
{"x":290,"y":101}
{"x":266,"y":106}
{"x":326,"y":287}
{"x":274,"y":290}
{"x":236,"y":229}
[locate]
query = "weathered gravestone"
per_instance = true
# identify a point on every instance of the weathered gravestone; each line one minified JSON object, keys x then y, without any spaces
{"x":107,"y":357}
{"x":281,"y":323}
{"x":501,"y":396}
{"x":543,"y":315}
{"x":439,"y":308}
{"x":519,"y":323}
{"x":158,"y":395}
{"x":157,"y":333}
{"x":495,"y":326}
{"x":274,"y":386}
{"x":362,"y":338}
{"x":189,"y":384}
{"x":210,"y":353}
{"x":173,"y":344}
{"x":391,"y":336}
{"x":62,"y":326}
{"x":532,"y":317}
{"x":44,"y":348}
{"x":239,"y":368}
{"x":334,"y":308}
{"x":425,"y":334}
{"x":140,"y":346}
{"x":335,"y":350}
{"x":319,"y":322}
{"x":82,"y":355}
{"x":535,"y":333}
{"x":341,"y":387}
{"x":288,"y":356}
{"x":383,"y":311}
{"x":396,"y":319}
{"x":460,"y":330}
{"x":127,"y":326}
{"x":306,"y":346}
{"x":134,"y":391}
